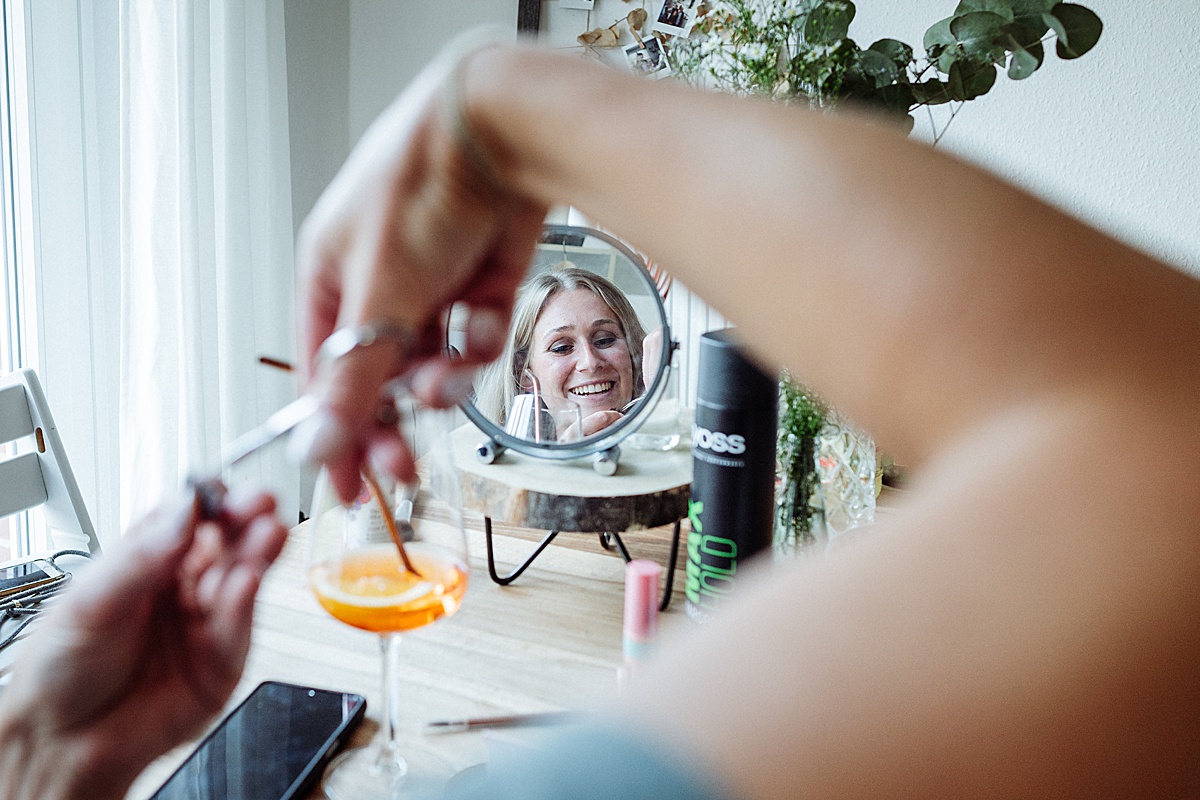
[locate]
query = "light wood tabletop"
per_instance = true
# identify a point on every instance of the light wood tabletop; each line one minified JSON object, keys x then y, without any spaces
{"x":550,"y":641}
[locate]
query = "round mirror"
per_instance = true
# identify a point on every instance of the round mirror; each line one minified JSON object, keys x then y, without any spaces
{"x":588,"y":350}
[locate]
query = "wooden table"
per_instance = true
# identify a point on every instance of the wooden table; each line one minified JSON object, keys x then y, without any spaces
{"x":545,"y":644}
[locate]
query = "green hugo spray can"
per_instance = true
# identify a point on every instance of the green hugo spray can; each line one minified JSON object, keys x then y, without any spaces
{"x":733,"y":471}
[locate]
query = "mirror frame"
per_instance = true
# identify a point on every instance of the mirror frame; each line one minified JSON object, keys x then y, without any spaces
{"x":614,"y":434}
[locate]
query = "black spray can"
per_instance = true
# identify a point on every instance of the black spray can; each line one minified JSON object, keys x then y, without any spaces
{"x":733,"y":471}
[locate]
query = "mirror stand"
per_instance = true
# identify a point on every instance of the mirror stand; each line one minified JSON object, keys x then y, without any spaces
{"x":604,"y":462}
{"x":607,"y":540}
{"x":543,"y":499}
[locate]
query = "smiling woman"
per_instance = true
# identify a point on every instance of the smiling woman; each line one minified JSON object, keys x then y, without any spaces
{"x":577,"y":342}
{"x":581,"y":364}
{"x":587,"y":356}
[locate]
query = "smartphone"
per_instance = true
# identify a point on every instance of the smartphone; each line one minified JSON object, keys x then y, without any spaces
{"x":27,"y":575}
{"x":274,"y":746}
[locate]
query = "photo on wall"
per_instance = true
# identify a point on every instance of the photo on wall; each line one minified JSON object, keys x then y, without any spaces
{"x":676,"y":17}
{"x":647,"y":58}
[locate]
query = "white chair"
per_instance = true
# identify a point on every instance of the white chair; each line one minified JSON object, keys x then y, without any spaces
{"x":40,"y":476}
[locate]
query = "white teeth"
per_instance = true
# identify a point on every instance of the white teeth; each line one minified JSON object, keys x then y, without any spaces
{"x":592,"y":388}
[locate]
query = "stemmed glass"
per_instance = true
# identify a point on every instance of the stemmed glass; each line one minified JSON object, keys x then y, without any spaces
{"x":388,"y":574}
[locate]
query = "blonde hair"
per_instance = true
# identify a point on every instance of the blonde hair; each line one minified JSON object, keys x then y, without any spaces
{"x":501,"y":381}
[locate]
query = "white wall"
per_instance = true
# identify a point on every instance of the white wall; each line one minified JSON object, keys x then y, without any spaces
{"x":1110,"y":137}
{"x":347,"y":59}
{"x":318,"y":66}
{"x":390,"y":42}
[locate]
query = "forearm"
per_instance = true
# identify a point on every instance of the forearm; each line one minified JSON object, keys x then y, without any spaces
{"x":1005,"y":637}
{"x":914,"y":290}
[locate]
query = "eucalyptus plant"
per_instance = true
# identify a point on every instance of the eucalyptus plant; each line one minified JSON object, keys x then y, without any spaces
{"x":801,"y":51}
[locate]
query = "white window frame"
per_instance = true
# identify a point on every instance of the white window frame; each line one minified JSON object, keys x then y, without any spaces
{"x":14,"y":206}
{"x":66,"y":162}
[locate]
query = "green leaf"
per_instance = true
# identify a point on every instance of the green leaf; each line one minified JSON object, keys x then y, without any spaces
{"x":894,"y":100}
{"x":931,"y":93}
{"x":1025,"y":36}
{"x":979,"y":33}
{"x":948,"y":56}
{"x":1052,"y":22}
{"x":1030,"y":8}
{"x":1081,"y":27}
{"x":829,"y":22}
{"x":896,"y":51}
{"x":938,"y":36}
{"x":897,"y":98}
{"x":1038,"y":52}
{"x":1029,"y":13}
{"x":878,"y":68}
{"x":1001,"y":8}
{"x":1022,"y":63}
{"x":969,"y":80}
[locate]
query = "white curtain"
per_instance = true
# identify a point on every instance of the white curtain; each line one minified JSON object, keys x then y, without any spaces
{"x":207,"y":281}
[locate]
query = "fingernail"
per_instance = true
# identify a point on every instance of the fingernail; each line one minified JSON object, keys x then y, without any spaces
{"x":485,"y":331}
{"x":318,"y":438}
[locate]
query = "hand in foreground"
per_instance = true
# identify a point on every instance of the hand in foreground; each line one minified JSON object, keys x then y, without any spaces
{"x":139,"y":655}
{"x":414,"y":221}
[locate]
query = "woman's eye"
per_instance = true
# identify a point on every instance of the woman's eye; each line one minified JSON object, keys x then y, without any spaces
{"x":607,"y":340}
{"x":561,"y":348}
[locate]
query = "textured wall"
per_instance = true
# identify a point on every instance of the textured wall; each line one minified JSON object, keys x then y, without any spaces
{"x":1110,"y":137}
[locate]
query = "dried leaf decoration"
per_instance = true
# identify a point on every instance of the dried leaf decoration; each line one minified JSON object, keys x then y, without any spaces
{"x":599,"y":37}
{"x":637,"y":18}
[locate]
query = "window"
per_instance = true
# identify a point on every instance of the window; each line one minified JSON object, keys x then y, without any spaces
{"x":14,"y":332}
{"x":16,"y":531}
{"x":9,"y":341}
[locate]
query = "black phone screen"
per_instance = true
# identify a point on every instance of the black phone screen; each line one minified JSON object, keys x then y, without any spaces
{"x":19,"y":575}
{"x":271,"y":747}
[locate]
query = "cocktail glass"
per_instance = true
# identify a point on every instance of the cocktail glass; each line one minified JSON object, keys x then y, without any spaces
{"x":412,"y":575}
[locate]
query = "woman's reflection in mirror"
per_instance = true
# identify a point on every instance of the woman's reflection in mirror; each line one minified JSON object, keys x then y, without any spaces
{"x":582,"y":340}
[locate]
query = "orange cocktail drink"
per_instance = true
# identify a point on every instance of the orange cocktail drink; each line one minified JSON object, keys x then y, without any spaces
{"x":370,"y":589}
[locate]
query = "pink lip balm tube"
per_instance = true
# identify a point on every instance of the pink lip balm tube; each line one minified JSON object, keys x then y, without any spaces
{"x":641,"y":610}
